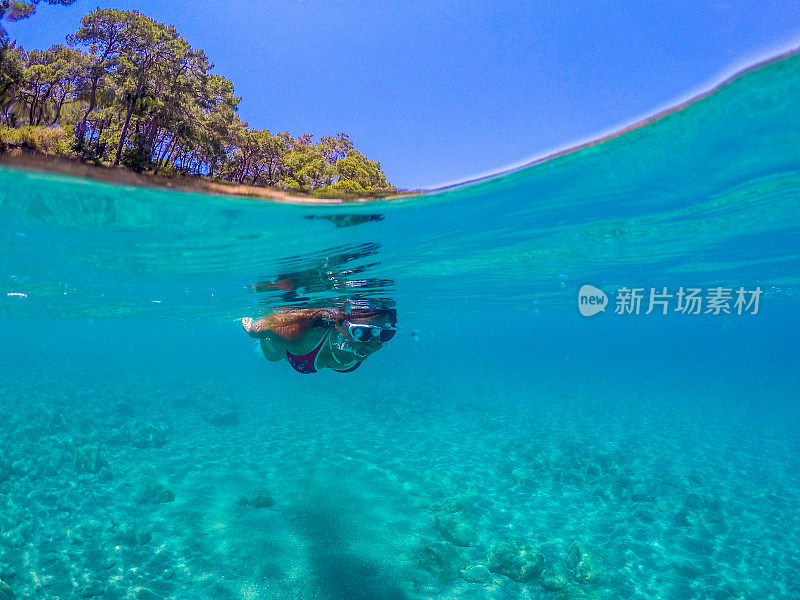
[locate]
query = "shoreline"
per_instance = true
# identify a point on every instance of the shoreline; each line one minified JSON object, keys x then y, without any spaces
{"x":35,"y":160}
{"x":72,"y":167}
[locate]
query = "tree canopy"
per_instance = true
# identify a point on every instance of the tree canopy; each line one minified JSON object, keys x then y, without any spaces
{"x":127,"y":90}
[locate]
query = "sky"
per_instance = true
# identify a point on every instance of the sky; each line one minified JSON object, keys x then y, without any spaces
{"x":444,"y":91}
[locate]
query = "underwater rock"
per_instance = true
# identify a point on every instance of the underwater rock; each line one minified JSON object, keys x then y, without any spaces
{"x":261,"y":500}
{"x":456,"y":531}
{"x":410,"y":487}
{"x":130,"y":535}
{"x":701,"y":513}
{"x":523,"y":476}
{"x":56,"y":422}
{"x":13,"y":538}
{"x":124,"y":409}
{"x":88,"y":459}
{"x":224,"y":419}
{"x":475,"y":574}
{"x":556,"y":578}
{"x":92,"y":589}
{"x":161,"y":561}
{"x":515,"y":561}
{"x":442,"y":559}
{"x":5,"y":591}
{"x":92,"y":528}
{"x":222,"y":591}
{"x":149,"y":435}
{"x":155,"y":493}
{"x":682,"y":518}
{"x":74,"y":537}
{"x":611,"y":461}
{"x":586,"y":562}
{"x":114,"y":592}
{"x":687,"y":568}
{"x":146,"y":594}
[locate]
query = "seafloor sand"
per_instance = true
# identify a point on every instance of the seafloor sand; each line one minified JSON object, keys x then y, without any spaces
{"x":139,"y":490}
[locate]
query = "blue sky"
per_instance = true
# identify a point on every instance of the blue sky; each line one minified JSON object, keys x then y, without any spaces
{"x":441,"y":91}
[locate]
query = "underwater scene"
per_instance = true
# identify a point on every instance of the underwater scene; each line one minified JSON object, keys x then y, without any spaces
{"x":576,"y":380}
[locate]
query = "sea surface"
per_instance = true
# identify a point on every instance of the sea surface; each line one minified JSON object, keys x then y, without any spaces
{"x":501,"y":446}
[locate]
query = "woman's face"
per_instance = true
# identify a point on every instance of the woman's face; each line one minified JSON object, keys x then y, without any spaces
{"x":362,"y":348}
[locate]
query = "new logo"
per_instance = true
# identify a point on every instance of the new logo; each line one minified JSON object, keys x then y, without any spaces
{"x":591,"y":300}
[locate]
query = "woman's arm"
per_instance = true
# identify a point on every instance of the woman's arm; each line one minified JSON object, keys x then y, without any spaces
{"x":287,"y":324}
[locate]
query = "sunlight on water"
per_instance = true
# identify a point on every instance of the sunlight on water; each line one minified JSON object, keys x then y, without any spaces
{"x":500,"y":445}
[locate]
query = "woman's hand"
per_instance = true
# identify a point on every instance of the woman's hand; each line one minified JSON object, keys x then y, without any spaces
{"x":254,"y":329}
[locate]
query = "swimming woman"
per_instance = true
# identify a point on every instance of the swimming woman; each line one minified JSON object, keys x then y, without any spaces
{"x":312,"y":339}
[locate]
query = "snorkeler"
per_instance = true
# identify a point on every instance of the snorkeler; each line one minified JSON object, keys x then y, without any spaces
{"x":312,"y":339}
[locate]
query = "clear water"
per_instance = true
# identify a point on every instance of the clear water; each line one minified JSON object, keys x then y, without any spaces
{"x":644,"y":456}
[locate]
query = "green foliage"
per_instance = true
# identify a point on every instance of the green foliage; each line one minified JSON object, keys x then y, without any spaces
{"x":40,"y":139}
{"x":137,"y":155}
{"x":335,"y":148}
{"x":139,"y":95}
{"x":356,"y":175}
{"x":65,"y":146}
{"x":12,"y":67}
{"x":306,"y":168}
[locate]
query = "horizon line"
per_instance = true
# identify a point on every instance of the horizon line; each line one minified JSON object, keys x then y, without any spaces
{"x":727,"y":78}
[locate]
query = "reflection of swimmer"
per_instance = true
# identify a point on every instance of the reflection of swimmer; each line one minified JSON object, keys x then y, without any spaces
{"x":347,"y":220}
{"x":293,"y":288}
{"x":329,"y":274}
{"x":312,"y":339}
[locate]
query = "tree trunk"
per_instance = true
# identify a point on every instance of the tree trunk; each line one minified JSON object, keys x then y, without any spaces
{"x":58,"y":108}
{"x":81,"y":133}
{"x":34,"y":100}
{"x":5,"y":111}
{"x":123,"y":133}
{"x":93,"y":95}
{"x":168,"y":159}
{"x":178,"y":155}
{"x":167,"y":148}
{"x":43,"y":105}
{"x":158,"y":145}
{"x":257,"y":174}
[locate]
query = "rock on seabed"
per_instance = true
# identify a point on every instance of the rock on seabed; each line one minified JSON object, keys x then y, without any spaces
{"x":5,"y":591}
{"x":516,"y":561}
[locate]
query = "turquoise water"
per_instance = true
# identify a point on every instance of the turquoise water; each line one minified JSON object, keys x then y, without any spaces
{"x":501,"y":446}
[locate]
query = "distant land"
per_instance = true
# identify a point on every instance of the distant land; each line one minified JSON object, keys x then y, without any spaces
{"x":127,"y":92}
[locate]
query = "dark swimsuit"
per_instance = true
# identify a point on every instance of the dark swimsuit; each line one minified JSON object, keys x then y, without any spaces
{"x":305,"y":363}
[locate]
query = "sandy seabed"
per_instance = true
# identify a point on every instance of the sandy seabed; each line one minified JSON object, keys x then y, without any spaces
{"x":139,"y":490}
